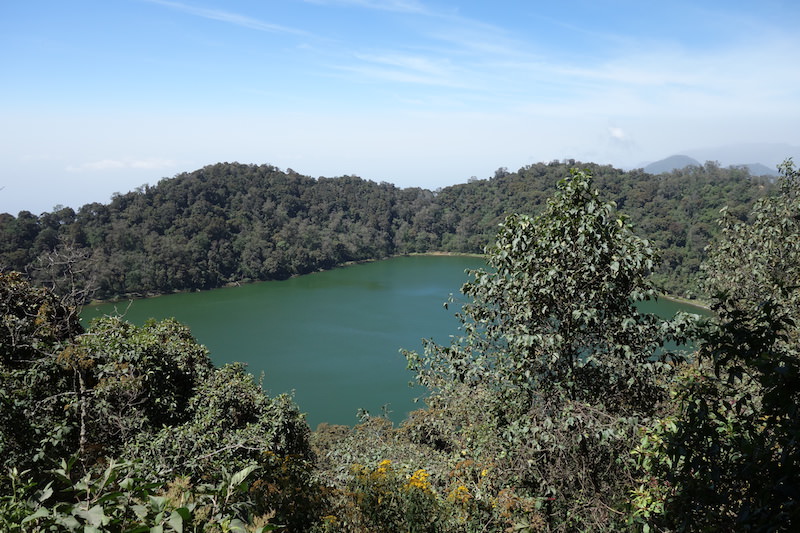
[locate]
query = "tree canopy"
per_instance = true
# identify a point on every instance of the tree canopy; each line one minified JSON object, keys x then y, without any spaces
{"x":557,"y":367}
{"x":97,"y":421}
{"x":230,"y":222}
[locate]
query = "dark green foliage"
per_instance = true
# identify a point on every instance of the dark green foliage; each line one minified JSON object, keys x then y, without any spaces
{"x":35,"y":390}
{"x":115,"y":500}
{"x":150,"y":397}
{"x":232,"y":425}
{"x":135,"y":380}
{"x":730,"y":457}
{"x":220,"y":224}
{"x":231,"y":422}
{"x":34,"y":322}
{"x":559,"y":299}
{"x":675,"y":212}
{"x":556,"y":369}
{"x":556,"y":311}
{"x":230,"y":222}
{"x":754,"y":273}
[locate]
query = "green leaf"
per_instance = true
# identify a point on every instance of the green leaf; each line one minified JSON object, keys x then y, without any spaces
{"x":41,"y":512}
{"x":95,"y":516}
{"x":109,"y":496}
{"x":157,"y":503}
{"x":237,"y":526}
{"x":140,"y":511}
{"x":70,"y":523}
{"x":176,"y":519}
{"x":239,"y":477}
{"x":46,"y":493}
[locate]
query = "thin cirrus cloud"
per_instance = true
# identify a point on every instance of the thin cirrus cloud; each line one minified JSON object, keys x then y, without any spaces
{"x":230,"y":18}
{"x":621,"y":73}
{"x":396,"y":6}
{"x":396,"y":66}
{"x":500,"y":69}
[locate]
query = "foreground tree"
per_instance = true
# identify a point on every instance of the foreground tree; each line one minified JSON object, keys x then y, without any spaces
{"x":35,"y":391}
{"x":730,"y":457}
{"x":96,"y":423}
{"x":557,"y":367}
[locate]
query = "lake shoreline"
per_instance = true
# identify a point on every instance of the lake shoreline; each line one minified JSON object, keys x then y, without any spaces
{"x":239,"y":283}
{"x":699,"y":304}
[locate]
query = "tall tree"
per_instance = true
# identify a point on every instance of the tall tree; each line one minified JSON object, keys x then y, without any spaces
{"x":557,"y":311}
{"x":556,"y":366}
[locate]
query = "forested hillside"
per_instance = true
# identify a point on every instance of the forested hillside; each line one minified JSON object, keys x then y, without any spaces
{"x":229,"y":223}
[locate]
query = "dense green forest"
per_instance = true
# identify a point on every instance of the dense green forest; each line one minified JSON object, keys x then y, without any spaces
{"x":231,"y":223}
{"x":560,"y":407}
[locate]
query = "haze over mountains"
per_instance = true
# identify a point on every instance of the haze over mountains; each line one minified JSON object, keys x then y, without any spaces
{"x":761,"y":159}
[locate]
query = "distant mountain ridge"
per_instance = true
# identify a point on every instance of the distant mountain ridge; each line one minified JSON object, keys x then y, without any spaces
{"x":761,"y":159}
{"x":757,"y":169}
{"x":673,"y":162}
{"x":678,"y":162}
{"x":769,"y":155}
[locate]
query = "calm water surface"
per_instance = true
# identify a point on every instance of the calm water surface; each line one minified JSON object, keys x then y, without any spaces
{"x":333,"y":337}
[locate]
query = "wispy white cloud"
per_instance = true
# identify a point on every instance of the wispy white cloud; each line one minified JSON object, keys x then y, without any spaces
{"x":741,"y":81}
{"x":425,"y":65}
{"x":655,"y":79}
{"x":230,"y":18}
{"x":406,"y":68}
{"x":397,"y":6}
{"x":447,"y":51}
{"x":629,"y":75}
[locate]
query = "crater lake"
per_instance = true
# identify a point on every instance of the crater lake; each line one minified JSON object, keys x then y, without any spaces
{"x":333,"y":337}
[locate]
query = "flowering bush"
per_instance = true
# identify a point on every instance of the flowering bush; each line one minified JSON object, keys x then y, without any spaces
{"x":389,"y":498}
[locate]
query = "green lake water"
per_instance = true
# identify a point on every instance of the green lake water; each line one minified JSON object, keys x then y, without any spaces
{"x":333,"y":337}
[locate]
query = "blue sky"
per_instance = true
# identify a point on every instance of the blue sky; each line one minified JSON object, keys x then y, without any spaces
{"x":99,"y":97}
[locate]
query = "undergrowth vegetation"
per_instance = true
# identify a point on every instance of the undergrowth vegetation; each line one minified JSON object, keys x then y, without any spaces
{"x":559,"y":408}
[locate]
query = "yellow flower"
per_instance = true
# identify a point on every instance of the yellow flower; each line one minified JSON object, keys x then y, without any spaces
{"x":419,"y":480}
{"x":384,"y":466}
{"x":460,"y":494}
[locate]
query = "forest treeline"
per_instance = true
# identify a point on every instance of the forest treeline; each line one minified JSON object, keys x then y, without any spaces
{"x":231,"y":222}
